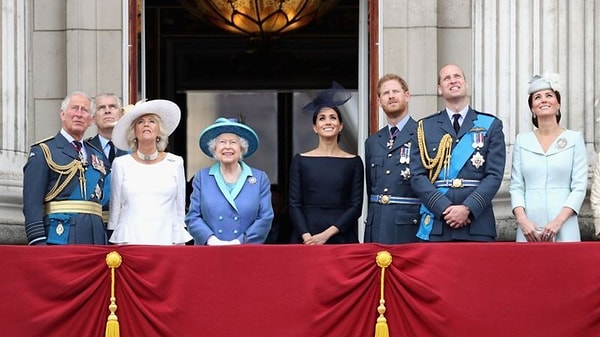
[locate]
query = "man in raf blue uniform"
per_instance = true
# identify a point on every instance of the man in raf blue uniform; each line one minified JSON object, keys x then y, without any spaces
{"x":393,"y":212}
{"x":458,"y":165}
{"x":106,"y":114}
{"x":63,"y":182}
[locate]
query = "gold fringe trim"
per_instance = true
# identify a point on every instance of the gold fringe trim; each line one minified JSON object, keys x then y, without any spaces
{"x":113,"y":261}
{"x":442,"y":157}
{"x":384,"y":260}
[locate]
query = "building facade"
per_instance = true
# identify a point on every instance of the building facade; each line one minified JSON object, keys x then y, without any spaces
{"x":51,"y":48}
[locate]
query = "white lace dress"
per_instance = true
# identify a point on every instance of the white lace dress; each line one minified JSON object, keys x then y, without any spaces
{"x":147,"y":202}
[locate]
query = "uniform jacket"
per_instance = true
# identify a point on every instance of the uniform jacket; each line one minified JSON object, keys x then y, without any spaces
{"x":245,"y":215}
{"x":38,"y":179}
{"x":387,"y":174}
{"x":97,"y":143}
{"x":478,"y":199}
{"x":543,"y":183}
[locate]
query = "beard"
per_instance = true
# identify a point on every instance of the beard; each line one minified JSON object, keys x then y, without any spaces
{"x":396,"y":111}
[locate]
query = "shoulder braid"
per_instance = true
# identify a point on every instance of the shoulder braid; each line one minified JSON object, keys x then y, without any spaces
{"x":69,"y":170}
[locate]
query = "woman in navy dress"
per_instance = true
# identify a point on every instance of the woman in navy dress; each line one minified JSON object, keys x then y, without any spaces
{"x":326,"y":183}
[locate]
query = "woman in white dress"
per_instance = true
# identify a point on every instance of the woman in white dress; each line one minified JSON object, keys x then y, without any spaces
{"x":147,"y":201}
{"x":549,"y":170}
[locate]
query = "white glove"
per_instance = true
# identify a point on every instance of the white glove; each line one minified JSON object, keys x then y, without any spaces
{"x":214,"y":241}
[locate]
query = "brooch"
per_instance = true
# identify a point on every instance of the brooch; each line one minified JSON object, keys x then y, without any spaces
{"x":252,"y":180}
{"x":561,"y":143}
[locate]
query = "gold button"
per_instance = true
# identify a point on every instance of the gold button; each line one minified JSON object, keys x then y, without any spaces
{"x":385,"y":199}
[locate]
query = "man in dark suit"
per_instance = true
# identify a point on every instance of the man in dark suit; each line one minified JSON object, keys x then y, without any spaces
{"x":64,"y":181}
{"x":458,"y":165}
{"x":393,"y":212}
{"x":107,"y":113}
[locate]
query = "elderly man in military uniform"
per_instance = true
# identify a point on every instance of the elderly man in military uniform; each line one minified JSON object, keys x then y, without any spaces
{"x":63,"y":182}
{"x":458,"y":165}
{"x":393,"y":212}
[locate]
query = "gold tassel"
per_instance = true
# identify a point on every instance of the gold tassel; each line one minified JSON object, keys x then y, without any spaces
{"x":384,"y":260}
{"x":113,"y":261}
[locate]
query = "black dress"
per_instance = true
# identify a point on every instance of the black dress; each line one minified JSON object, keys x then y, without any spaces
{"x":326,"y":191}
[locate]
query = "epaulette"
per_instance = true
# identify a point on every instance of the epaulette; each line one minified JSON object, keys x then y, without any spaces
{"x":432,"y":115}
{"x":42,"y":141}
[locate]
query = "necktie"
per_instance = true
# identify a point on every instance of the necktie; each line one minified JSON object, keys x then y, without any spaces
{"x":456,"y":124}
{"x":77,"y":145}
{"x":111,"y":151}
{"x":393,"y":132}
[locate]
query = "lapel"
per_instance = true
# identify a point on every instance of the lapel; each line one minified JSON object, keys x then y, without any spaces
{"x":67,"y":148}
{"x":406,"y":134}
{"x":444,"y":123}
{"x":383,"y":136}
{"x":468,"y":123}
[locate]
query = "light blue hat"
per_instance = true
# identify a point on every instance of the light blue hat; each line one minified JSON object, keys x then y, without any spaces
{"x":545,"y":81}
{"x":224,"y":125}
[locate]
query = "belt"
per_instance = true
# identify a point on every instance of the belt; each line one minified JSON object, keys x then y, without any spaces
{"x":73,"y":206}
{"x":457,"y":183}
{"x":105,"y":216}
{"x":388,"y":199}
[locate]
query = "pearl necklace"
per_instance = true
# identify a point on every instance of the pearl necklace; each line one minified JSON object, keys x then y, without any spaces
{"x":147,"y":157}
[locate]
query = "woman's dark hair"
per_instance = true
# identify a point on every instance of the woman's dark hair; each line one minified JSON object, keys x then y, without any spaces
{"x":534,"y":118}
{"x":335,"y":108}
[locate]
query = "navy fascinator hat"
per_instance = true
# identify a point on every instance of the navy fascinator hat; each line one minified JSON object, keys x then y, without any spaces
{"x":333,"y":97}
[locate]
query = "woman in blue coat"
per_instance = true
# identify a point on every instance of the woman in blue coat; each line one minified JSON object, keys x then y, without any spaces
{"x":231,"y":201}
{"x":549,"y":170}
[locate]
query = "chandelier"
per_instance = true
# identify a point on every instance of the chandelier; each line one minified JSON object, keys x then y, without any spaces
{"x":259,"y":18}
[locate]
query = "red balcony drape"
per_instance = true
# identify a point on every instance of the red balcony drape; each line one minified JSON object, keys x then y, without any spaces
{"x":459,"y":289}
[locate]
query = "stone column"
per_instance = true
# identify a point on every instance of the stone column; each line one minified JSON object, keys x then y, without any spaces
{"x":14,"y":58}
{"x":514,"y":39}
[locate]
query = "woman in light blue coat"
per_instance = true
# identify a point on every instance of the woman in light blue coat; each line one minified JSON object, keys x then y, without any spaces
{"x":231,"y":201}
{"x":549,"y":170}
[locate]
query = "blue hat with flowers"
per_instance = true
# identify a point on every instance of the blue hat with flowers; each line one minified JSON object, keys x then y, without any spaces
{"x":225,"y":125}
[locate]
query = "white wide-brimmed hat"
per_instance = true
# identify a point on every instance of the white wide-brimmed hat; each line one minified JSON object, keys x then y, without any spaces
{"x":169,"y":113}
{"x":224,"y":125}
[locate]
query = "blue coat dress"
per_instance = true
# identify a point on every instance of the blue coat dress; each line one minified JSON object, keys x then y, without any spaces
{"x":245,"y":213}
{"x":488,"y":176}
{"x":388,"y":173}
{"x":543,"y":183}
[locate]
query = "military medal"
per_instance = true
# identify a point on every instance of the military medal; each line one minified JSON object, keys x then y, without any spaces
{"x":477,"y":160}
{"x":405,"y":153}
{"x":561,"y":143}
{"x":478,"y":138}
{"x":98,"y":164}
{"x":252,"y":180}
{"x":405,"y":173}
{"x":390,"y":143}
{"x":97,"y":192}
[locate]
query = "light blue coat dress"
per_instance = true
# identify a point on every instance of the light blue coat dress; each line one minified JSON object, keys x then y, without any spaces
{"x":244,"y":213}
{"x":544,"y":183}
